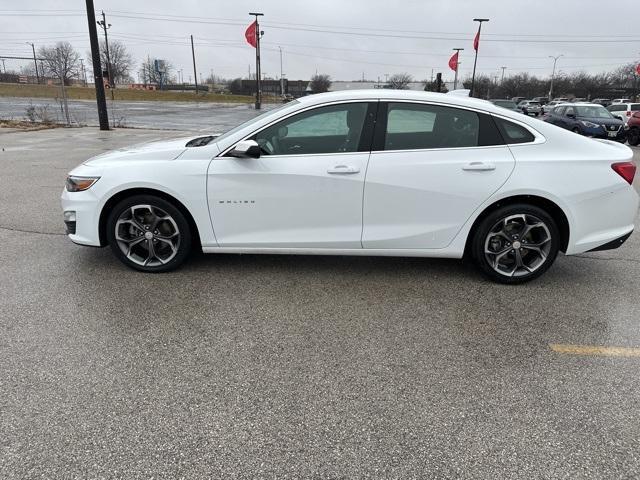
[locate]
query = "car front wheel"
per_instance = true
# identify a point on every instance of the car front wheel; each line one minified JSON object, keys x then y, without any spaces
{"x":516,"y":243}
{"x":634,"y":137}
{"x":148,"y":233}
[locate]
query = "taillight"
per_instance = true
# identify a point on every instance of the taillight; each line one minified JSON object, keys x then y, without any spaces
{"x":626,"y":170}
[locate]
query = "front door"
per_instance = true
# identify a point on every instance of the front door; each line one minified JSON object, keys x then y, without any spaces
{"x":305,"y":191}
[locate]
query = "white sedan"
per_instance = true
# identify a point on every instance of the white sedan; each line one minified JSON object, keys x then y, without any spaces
{"x":396,"y":173}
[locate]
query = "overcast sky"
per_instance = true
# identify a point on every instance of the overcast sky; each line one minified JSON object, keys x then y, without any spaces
{"x":345,"y":38}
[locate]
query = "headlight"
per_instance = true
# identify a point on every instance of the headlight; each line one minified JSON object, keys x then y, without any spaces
{"x":79,"y":184}
{"x":589,"y":124}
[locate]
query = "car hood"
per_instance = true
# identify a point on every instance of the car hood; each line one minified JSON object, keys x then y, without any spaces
{"x":602,"y":121}
{"x":159,"y":150}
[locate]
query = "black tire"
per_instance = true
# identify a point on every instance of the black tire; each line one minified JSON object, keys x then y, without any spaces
{"x":485,"y":237}
{"x":576,"y":130}
{"x":633,"y":137}
{"x":166,"y":242}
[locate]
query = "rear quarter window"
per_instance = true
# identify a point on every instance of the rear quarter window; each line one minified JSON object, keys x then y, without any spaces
{"x":513,"y":133}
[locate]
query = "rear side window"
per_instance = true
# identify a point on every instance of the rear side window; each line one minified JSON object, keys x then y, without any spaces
{"x":412,"y":126}
{"x":513,"y":133}
{"x":617,"y":108}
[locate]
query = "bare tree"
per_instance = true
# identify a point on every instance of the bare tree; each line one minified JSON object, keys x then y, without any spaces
{"x":320,"y":83}
{"x":61,"y":61}
{"x":400,"y":81}
{"x":121,"y":60}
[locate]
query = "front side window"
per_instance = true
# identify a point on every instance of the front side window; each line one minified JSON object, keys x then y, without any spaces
{"x":413,"y":126}
{"x":330,"y":129}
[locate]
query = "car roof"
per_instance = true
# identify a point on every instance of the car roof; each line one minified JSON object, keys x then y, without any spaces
{"x":403,"y":95}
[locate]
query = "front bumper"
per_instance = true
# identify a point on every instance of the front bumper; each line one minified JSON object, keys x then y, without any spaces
{"x":602,"y":133}
{"x":82,"y":225}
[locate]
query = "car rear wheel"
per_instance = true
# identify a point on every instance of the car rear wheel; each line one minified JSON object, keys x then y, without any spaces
{"x":149,"y":234}
{"x":633,"y":137}
{"x":516,"y":243}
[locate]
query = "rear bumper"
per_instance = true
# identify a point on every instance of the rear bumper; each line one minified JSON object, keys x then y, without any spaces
{"x":613,"y":244}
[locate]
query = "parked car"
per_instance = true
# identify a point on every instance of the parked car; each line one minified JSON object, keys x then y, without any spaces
{"x":633,"y":129}
{"x":551,"y":105}
{"x":588,"y":119}
{"x":529,"y":107}
{"x":369,"y":172}
{"x":623,"y":110}
{"x":605,"y":102}
{"x":578,"y":100}
{"x":621,"y":100}
{"x":541,"y":100}
{"x":517,"y":100}
{"x":561,"y":99}
{"x":508,"y":104}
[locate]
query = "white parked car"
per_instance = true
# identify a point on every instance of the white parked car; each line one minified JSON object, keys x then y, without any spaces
{"x":624,"y":110}
{"x":370,"y":172}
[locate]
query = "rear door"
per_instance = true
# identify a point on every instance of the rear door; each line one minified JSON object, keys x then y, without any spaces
{"x":431,"y":168}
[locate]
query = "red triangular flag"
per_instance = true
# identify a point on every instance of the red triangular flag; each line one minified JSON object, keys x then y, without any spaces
{"x":453,"y":62}
{"x":251,"y":35}
{"x":476,"y":41}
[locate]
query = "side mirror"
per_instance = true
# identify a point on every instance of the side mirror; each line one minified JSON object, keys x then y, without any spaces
{"x":571,"y":115}
{"x":245,"y":149}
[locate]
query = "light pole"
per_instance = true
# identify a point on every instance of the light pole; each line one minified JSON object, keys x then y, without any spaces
{"x":281,"y":79}
{"x":35,"y":62}
{"x":502,"y":80}
{"x":476,"y":46}
{"x":553,"y":74}
{"x":4,"y":69}
{"x":455,"y":78}
{"x":258,"y":34}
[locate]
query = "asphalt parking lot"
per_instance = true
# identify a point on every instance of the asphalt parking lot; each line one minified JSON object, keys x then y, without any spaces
{"x":299,"y":367}
{"x":193,"y":116}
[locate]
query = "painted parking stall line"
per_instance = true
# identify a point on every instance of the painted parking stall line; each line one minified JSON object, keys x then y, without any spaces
{"x":595,"y":350}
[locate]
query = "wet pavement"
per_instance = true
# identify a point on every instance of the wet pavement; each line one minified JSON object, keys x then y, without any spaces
{"x":195,"y":116}
{"x":298,"y":367}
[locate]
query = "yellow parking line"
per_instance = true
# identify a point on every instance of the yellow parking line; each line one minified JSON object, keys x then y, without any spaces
{"x":595,"y":350}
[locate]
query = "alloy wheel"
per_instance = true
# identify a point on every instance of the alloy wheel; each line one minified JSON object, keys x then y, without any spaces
{"x":147,"y":235}
{"x":517,"y":245}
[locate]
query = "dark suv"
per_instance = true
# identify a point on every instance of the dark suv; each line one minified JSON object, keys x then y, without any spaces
{"x":589,"y":120}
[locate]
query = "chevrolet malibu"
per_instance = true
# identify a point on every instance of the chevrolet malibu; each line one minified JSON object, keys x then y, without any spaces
{"x":392,"y":173}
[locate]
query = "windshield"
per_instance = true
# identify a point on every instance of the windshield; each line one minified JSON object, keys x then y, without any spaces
{"x":505,"y":103}
{"x":593,"y":111}
{"x":255,"y":119}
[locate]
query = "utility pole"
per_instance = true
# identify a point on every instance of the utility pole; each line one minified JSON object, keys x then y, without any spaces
{"x":193,"y":55}
{"x":477,"y":47}
{"x":553,"y":74}
{"x":106,"y":26}
{"x":502,"y":80}
{"x":35,"y":62}
{"x":258,"y":77}
{"x":455,"y":78}
{"x":84,"y":72}
{"x":281,"y":78}
{"x":97,"y":68}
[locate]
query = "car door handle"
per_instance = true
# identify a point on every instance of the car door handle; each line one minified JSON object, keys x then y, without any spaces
{"x":479,"y":166}
{"x":343,"y":169}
